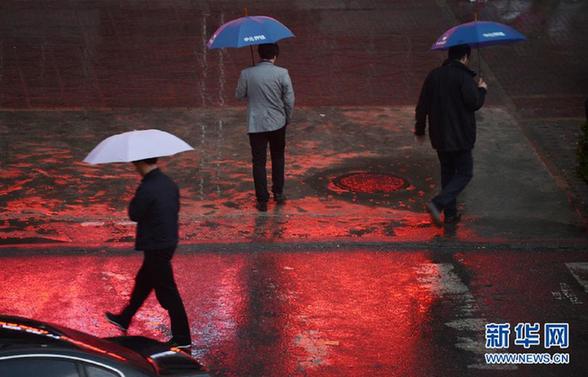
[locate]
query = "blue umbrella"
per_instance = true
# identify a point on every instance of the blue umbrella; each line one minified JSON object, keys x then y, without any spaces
{"x":478,"y":34}
{"x":248,"y":31}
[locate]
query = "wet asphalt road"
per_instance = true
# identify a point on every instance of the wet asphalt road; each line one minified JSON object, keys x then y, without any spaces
{"x":358,"y":312}
{"x":350,"y":278}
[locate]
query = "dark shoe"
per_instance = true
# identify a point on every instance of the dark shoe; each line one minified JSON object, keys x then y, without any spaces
{"x":183,"y":345}
{"x":453,"y":219}
{"x":435,"y":214}
{"x":117,"y":321}
{"x":449,"y":230}
{"x":280,"y":198}
{"x":261,"y":206}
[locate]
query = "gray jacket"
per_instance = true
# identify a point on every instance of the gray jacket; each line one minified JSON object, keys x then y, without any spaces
{"x":270,"y":96}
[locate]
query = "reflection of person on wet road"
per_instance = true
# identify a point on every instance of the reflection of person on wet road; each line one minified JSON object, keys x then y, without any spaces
{"x":155,"y":208}
{"x":270,"y":101}
{"x":449,"y":99}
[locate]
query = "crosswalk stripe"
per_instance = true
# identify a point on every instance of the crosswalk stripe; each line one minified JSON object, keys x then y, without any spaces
{"x":443,"y":282}
{"x":580,"y":273}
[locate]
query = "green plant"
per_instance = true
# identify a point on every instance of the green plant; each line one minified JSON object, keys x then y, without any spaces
{"x":583,"y":152}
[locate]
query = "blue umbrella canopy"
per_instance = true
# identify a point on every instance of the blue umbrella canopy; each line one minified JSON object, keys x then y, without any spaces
{"x":478,"y":34}
{"x":249,"y":31}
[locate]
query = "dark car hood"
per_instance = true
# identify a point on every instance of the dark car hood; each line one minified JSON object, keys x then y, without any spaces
{"x":167,"y":360}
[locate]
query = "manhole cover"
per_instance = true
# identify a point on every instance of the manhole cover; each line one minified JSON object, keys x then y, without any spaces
{"x":369,"y":183}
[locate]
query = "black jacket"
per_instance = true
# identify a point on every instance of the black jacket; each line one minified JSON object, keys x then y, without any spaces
{"x":155,"y":208}
{"x":449,"y":98}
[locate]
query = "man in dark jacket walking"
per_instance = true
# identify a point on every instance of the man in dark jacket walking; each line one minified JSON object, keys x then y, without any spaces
{"x":155,"y":208}
{"x":449,"y":99}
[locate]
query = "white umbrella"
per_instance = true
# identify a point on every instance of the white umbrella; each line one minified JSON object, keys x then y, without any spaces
{"x":136,"y":145}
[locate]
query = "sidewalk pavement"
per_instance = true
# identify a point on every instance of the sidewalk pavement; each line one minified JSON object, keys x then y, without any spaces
{"x":354,"y":174}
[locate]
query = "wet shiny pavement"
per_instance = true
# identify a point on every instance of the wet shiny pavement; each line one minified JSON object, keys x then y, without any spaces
{"x":353,"y":174}
{"x":349,"y":278}
{"x":358,"y":312}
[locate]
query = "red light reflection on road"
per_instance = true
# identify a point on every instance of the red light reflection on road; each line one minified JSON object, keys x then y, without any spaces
{"x":264,"y":313}
{"x":354,"y":313}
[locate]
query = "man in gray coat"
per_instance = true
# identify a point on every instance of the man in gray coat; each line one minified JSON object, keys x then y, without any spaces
{"x":270,"y":102}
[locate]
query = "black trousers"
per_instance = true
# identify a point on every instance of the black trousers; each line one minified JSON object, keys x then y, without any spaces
{"x":457,"y":170}
{"x":156,"y":274}
{"x":277,"y":143}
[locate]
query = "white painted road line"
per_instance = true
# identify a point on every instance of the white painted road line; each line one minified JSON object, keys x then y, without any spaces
{"x":443,"y":282}
{"x":580,"y":273}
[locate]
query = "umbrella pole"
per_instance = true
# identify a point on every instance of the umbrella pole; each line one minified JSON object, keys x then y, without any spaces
{"x":250,"y":46}
{"x":479,"y":63}
{"x":476,"y":9}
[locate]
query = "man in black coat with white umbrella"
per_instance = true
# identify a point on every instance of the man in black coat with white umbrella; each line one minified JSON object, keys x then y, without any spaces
{"x":155,"y":208}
